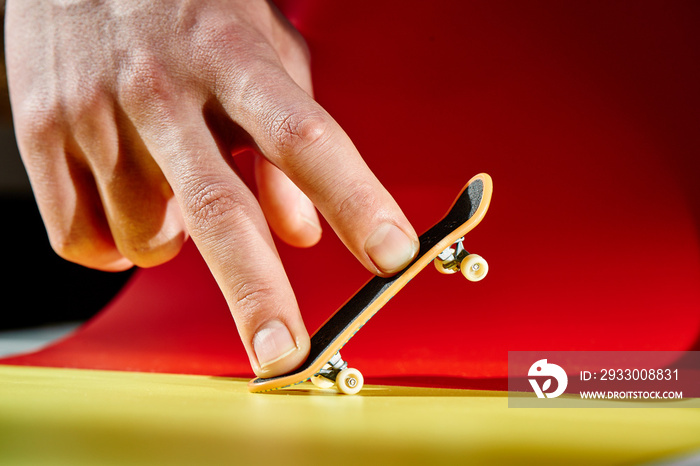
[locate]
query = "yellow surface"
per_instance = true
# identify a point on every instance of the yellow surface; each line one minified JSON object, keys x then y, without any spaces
{"x":64,"y":416}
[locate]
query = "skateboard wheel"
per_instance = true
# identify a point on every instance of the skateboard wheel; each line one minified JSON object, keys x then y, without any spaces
{"x":474,"y":267}
{"x":350,"y":381}
{"x":321,"y":382}
{"x":440,"y":266}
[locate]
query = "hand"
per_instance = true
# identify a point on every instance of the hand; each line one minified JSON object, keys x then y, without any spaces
{"x":127,"y":113}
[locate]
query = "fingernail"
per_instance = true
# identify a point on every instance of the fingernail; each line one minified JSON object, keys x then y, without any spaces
{"x":389,"y":248}
{"x":308,"y":212}
{"x":272,"y":343}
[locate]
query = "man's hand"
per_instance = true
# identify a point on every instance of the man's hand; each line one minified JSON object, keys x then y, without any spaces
{"x":127,"y":113}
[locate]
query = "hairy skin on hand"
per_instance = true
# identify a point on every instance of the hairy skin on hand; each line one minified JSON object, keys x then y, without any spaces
{"x":127,"y":113}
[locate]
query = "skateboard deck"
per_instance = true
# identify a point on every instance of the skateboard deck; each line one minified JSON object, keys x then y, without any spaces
{"x":441,"y":244}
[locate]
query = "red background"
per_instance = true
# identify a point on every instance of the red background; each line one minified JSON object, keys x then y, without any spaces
{"x":585,"y":115}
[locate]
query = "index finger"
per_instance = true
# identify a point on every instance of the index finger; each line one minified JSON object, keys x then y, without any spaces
{"x":298,"y":136}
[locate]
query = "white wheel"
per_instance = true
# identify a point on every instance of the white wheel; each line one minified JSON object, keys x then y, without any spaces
{"x":321,"y":382}
{"x":474,"y":267}
{"x":350,"y":381}
{"x":440,"y":266}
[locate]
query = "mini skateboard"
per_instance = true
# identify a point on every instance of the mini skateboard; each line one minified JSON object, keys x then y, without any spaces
{"x":441,"y":244}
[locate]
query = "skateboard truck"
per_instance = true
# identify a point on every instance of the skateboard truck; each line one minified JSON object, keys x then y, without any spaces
{"x":336,"y":372}
{"x":456,"y":258}
{"x":451,"y":260}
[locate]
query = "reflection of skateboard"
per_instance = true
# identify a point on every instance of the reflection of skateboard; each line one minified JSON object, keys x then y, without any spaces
{"x":441,"y":244}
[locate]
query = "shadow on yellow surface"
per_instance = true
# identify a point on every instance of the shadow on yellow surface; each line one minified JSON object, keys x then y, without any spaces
{"x":308,"y":389}
{"x":65,"y":416}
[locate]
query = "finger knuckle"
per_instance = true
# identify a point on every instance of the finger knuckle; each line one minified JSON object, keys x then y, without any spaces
{"x":36,"y":119}
{"x":226,"y":52}
{"x":210,"y":205}
{"x":144,"y":78}
{"x":149,"y":252}
{"x":219,"y":35}
{"x":84,"y":250}
{"x":357,"y":200}
{"x":249,"y":297}
{"x":67,"y":248}
{"x":295,"y":133}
